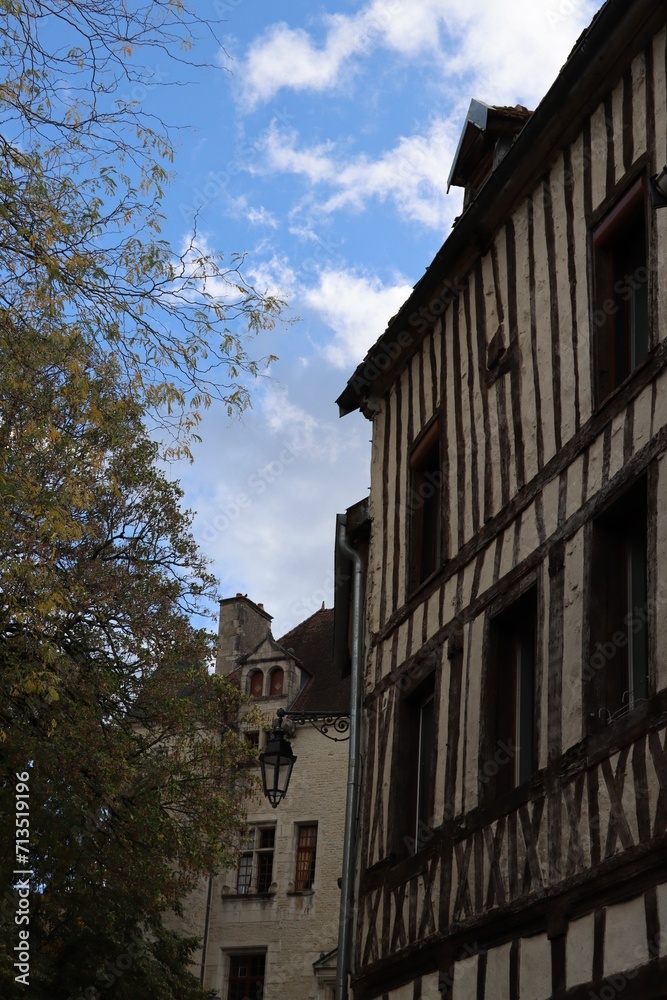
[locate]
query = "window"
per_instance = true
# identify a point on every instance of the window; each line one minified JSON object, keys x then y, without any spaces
{"x":252,"y":738}
{"x":415,"y":767}
{"x":305,"y":857}
{"x":617,"y":670}
{"x":276,"y":681}
{"x":255,"y":872}
{"x":424,"y":505}
{"x":621,"y":319}
{"x":510,"y":756}
{"x":256,"y":685}
{"x":246,"y":977}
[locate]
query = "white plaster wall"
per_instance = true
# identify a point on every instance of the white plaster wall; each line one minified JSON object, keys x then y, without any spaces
{"x":498,"y":973}
{"x":579,"y":950}
{"x":469,"y":731}
{"x":464,"y":986}
{"x":568,"y":409}
{"x":543,"y":328}
{"x":661,"y":596}
{"x":431,"y":987}
{"x":639,"y":101}
{"x":662,"y":916}
{"x":535,"y":968}
{"x":598,"y":155}
{"x":528,"y":408}
{"x":572,"y":640}
{"x":405,"y":992}
{"x":659,"y":218}
{"x":625,"y":944}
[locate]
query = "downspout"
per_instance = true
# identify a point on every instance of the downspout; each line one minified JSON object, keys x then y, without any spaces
{"x":346,"y":922}
{"x":205,"y":942}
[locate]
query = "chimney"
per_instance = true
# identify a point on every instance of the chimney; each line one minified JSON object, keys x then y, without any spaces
{"x":242,"y":626}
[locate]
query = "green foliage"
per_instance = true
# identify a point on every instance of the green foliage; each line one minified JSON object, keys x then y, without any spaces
{"x":136,"y":778}
{"x":134,"y":760}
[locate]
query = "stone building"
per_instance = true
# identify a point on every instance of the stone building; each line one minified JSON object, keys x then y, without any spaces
{"x":514,"y":835}
{"x":269,"y":927}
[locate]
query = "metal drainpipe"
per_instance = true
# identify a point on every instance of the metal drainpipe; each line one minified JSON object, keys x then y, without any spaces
{"x":345,"y":922}
{"x":205,"y":941}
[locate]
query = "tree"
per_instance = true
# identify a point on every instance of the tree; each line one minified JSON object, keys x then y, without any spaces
{"x":127,"y":745}
{"x":82,"y":170}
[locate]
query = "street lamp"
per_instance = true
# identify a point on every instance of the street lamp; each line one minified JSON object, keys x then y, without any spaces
{"x":276,"y":764}
{"x":277,"y":761}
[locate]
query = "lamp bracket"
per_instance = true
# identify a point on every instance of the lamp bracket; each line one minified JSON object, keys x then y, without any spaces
{"x":323,"y":722}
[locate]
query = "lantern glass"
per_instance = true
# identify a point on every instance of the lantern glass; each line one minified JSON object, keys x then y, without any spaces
{"x":276,"y":764}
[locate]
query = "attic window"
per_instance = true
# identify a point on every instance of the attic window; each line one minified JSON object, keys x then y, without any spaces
{"x":256,"y":685}
{"x":277,"y":681}
{"x":487,"y":135}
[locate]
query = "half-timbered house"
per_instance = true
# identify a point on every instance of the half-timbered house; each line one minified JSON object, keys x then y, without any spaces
{"x":514,"y":831}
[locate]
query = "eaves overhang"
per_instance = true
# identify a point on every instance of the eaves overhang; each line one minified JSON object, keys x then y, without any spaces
{"x":615,"y":35}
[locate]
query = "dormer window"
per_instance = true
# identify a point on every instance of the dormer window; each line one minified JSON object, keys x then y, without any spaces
{"x":256,"y":684}
{"x":277,"y":681}
{"x":487,"y":135}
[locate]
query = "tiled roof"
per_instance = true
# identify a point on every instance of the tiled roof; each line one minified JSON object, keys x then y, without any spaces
{"x":312,"y":645}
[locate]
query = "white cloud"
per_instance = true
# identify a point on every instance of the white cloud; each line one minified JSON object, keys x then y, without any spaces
{"x":274,"y":277}
{"x":411,"y":174}
{"x":305,"y":434}
{"x":261,"y":217}
{"x":286,"y":56}
{"x":267,"y":490}
{"x":357,"y":309}
{"x":513,"y":49}
{"x":462,"y":37}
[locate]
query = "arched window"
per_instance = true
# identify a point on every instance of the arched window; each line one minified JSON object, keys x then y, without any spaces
{"x":277,"y":679}
{"x":257,"y":684}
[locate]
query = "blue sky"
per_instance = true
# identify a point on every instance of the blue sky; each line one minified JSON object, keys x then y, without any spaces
{"x":320,"y":140}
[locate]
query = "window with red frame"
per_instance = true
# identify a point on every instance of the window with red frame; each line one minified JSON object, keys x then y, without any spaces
{"x":621,"y":303}
{"x":617,"y":673}
{"x":425,"y":505}
{"x":246,"y":977}
{"x":512,"y":746}
{"x":257,"y":684}
{"x":305,"y":857}
{"x":277,"y":681}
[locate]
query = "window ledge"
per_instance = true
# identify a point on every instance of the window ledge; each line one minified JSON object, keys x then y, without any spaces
{"x":301,"y":892}
{"x":416,"y":590}
{"x":621,"y":731}
{"x":630,"y":378}
{"x":252,"y":896}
